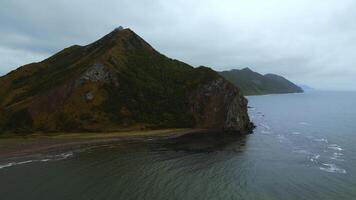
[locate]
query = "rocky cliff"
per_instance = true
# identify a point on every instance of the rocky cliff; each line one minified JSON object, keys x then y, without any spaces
{"x":218,"y":104}
{"x":118,"y":82}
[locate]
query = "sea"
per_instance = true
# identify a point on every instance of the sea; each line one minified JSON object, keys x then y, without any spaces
{"x":303,"y":148}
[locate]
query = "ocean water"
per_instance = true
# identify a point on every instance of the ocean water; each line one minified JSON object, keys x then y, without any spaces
{"x":304,"y":147}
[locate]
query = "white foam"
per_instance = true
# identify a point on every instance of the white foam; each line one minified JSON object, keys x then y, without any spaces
{"x":314,"y":158}
{"x":302,"y":151}
{"x":265,"y":126}
{"x":304,"y":123}
{"x":296,"y":133}
{"x":335,"y":147}
{"x":332,"y":168}
{"x":336,"y":156}
{"x":281,"y":137}
{"x":61,"y":156}
{"x":321,"y":140}
{"x":266,"y":132}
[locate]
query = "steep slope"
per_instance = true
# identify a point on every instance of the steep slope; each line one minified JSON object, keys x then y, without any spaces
{"x":117,"y":82}
{"x":253,"y":83}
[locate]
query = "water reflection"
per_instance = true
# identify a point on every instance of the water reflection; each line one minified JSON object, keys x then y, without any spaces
{"x":206,"y":142}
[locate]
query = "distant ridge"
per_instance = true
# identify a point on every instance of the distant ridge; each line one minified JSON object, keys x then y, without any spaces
{"x":306,"y":87}
{"x":253,"y":83}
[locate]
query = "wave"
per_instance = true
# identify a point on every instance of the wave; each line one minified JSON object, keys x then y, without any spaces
{"x":266,"y":132}
{"x":61,"y":156}
{"x":296,"y":133}
{"x":281,"y":138}
{"x":265,"y":126}
{"x":336,"y":156}
{"x":302,"y":151}
{"x":304,"y":123}
{"x":332,"y":168}
{"x":335,"y":147}
{"x":321,"y":140}
{"x":315,"y":157}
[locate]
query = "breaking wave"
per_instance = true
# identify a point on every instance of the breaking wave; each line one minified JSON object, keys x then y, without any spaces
{"x":332,"y":168}
{"x":335,"y":147}
{"x":57,"y":157}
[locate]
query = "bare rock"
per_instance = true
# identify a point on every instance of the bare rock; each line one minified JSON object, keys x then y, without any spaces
{"x":98,"y":73}
{"x":89,"y":96}
{"x":219,"y":105}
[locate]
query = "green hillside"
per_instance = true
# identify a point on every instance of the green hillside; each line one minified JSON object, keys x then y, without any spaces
{"x":117,"y":82}
{"x":253,"y":83}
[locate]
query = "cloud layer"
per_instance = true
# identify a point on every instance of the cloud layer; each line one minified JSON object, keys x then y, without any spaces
{"x":309,"y":42}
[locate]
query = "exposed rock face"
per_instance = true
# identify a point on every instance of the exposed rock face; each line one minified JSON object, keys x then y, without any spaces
{"x":89,"y":96}
{"x":120,"y":28}
{"x":219,"y":105}
{"x":98,"y":73}
{"x":237,"y":117}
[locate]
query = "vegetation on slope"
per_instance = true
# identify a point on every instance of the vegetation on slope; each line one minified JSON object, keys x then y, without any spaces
{"x":117,"y":82}
{"x":253,"y":83}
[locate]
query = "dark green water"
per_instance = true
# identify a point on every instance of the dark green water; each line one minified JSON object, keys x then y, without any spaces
{"x":304,"y":147}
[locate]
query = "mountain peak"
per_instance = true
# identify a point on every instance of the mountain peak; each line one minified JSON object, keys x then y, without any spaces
{"x":120,"y":28}
{"x":121,"y":40}
{"x":119,"y":31}
{"x":246,"y":69}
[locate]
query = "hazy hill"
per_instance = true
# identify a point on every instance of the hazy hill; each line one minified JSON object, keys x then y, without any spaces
{"x":253,"y":83}
{"x":118,"y":82}
{"x":306,"y":87}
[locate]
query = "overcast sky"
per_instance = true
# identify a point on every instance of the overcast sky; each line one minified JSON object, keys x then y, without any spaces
{"x":309,"y":42}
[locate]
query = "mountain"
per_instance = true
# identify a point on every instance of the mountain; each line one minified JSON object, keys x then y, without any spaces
{"x":253,"y":83}
{"x":306,"y":87}
{"x":118,"y":82}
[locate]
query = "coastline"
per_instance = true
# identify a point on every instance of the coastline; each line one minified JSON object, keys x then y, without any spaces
{"x":41,"y":144}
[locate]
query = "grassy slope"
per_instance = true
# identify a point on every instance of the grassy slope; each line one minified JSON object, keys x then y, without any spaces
{"x":253,"y":83}
{"x":153,"y":88}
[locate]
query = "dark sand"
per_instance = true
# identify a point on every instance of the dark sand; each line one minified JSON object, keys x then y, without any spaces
{"x":20,"y":147}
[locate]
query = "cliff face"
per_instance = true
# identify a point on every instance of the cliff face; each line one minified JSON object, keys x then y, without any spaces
{"x":219,"y":105}
{"x":118,"y":82}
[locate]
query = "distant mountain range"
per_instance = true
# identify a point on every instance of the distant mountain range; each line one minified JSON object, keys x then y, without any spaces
{"x":117,"y":83}
{"x":253,"y":83}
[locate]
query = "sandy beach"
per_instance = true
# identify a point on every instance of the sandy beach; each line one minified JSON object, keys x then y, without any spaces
{"x":18,"y":147}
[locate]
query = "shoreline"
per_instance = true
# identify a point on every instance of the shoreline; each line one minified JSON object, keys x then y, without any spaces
{"x":40,"y":144}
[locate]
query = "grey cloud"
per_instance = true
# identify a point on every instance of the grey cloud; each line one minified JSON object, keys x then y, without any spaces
{"x":310,"y":42}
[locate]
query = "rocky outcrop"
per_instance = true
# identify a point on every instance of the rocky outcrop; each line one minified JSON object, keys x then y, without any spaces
{"x":98,"y":73}
{"x":219,"y":105}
